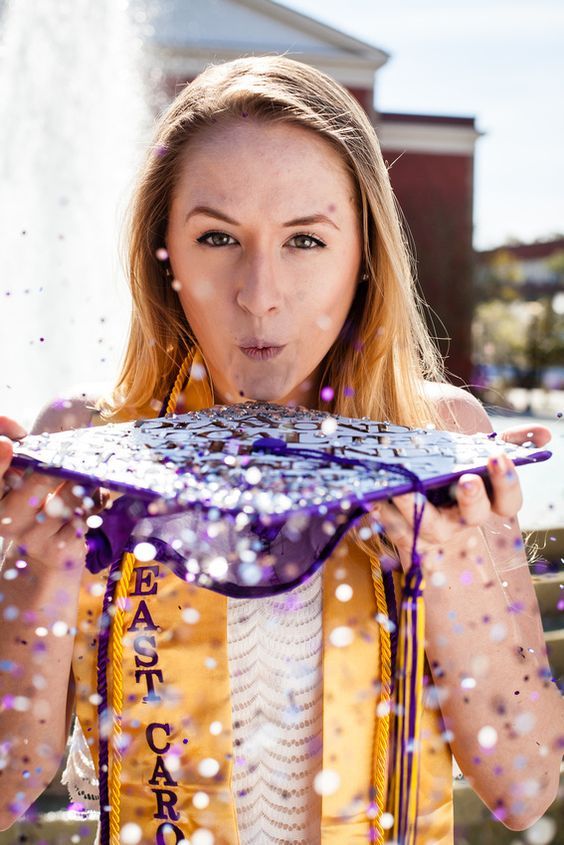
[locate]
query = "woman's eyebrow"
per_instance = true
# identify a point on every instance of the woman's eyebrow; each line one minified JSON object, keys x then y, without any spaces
{"x":210,"y":212}
{"x":310,"y":219}
{"x":297,"y":221}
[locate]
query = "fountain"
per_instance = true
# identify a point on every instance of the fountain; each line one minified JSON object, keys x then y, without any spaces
{"x":74,"y":122}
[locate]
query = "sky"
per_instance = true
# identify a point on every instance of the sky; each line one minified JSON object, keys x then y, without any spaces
{"x":501,"y":61}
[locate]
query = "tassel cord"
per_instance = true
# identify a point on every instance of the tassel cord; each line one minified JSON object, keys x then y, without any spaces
{"x":379,"y":785}
{"x":116,"y":661}
{"x":102,"y":691}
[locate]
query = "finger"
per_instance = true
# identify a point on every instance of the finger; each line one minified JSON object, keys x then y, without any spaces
{"x":397,"y":528}
{"x":437,"y":525}
{"x":473,"y":502}
{"x":11,"y":428}
{"x":6,"y":452}
{"x":540,"y":435}
{"x":507,"y":495}
{"x":101,"y":496}
{"x":72,"y":545}
{"x":62,"y":503}
{"x":65,"y":548}
{"x":21,"y":508}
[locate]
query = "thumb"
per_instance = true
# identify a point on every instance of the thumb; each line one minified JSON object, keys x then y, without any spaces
{"x":540,"y":435}
{"x":6,"y":453}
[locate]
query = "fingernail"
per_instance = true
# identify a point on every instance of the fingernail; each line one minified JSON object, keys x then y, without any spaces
{"x":498,"y":464}
{"x":470,"y":486}
{"x":505,"y":468}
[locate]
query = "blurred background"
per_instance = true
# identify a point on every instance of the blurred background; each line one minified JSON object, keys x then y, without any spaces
{"x":467,"y":102}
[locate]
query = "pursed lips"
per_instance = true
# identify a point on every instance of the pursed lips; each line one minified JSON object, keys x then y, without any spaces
{"x":261,"y":353}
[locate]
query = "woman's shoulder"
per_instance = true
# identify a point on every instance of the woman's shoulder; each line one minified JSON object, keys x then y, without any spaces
{"x":77,"y":410}
{"x":458,"y":410}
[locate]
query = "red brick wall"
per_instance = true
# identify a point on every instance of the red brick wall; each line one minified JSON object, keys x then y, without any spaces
{"x":365,"y":97}
{"x":435,"y":193}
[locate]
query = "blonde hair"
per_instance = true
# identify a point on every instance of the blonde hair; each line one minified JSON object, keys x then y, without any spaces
{"x":378,"y":365}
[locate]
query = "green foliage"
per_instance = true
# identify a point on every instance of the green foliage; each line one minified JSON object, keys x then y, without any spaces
{"x":528,"y":336}
{"x":556,"y":264}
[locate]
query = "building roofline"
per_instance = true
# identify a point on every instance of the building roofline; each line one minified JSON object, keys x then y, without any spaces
{"x":316,"y":28}
{"x":442,"y":119}
{"x":537,"y":249}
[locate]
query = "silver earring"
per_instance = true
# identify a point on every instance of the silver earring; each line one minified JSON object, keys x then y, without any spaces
{"x":364,"y":277}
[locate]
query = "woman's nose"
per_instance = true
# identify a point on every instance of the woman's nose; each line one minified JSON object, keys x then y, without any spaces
{"x":258,"y":290}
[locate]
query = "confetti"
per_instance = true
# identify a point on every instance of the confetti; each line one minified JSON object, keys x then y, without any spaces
{"x":487,"y":737}
{"x":387,"y":821}
{"x":329,"y":426}
{"x":253,"y":476}
{"x":202,"y":836}
{"x":344,"y":592}
{"x":326,"y":782}
{"x":208,"y":767}
{"x":341,"y":636}
{"x":498,"y":632}
{"x":190,"y":615}
{"x":524,"y":723}
{"x":542,"y":832}
{"x":218,"y":567}
{"x":324,"y":322}
{"x":145,"y":552}
{"x":130,"y":834}
{"x":200,"y":800}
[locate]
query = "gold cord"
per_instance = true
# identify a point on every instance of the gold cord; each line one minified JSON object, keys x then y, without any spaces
{"x":116,"y":662}
{"x":382,"y":733}
{"x":179,"y":381}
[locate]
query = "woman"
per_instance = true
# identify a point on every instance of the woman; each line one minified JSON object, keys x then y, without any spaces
{"x":267,"y":260}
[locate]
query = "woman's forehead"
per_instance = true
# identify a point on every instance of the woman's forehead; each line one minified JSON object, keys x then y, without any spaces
{"x":245,"y":160}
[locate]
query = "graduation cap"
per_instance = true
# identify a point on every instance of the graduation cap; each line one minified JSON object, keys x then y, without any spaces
{"x":250,"y":499}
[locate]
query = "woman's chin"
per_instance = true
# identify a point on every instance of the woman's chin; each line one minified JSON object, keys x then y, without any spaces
{"x":275,"y":391}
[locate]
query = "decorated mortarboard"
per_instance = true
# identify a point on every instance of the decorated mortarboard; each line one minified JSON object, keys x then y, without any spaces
{"x":292,"y":479}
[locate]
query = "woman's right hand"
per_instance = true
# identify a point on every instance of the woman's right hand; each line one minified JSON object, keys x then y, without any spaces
{"x":40,"y":516}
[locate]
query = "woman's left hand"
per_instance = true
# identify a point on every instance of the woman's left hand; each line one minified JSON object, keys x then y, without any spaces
{"x":474,"y":507}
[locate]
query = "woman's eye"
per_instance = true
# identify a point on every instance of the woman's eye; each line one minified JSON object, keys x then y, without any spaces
{"x":306,"y":242}
{"x":216,"y":239}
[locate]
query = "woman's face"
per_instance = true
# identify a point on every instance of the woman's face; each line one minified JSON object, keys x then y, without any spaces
{"x":264,"y":243}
